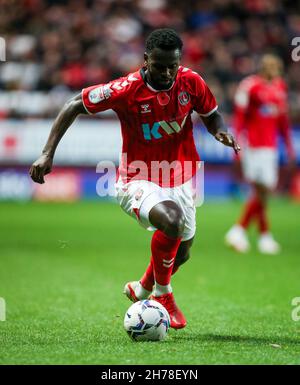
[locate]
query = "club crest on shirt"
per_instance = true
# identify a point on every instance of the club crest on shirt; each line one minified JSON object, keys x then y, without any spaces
{"x":100,"y":93}
{"x":184,"y":98}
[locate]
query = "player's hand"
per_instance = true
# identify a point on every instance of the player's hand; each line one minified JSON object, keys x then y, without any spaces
{"x":228,"y":140}
{"x":41,"y":167}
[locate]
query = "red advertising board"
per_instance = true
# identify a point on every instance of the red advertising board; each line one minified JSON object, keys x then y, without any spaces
{"x":62,"y":185}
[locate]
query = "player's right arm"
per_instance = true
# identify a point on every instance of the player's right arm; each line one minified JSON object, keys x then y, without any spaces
{"x":241,"y":103}
{"x":92,"y":99}
{"x":63,"y":121}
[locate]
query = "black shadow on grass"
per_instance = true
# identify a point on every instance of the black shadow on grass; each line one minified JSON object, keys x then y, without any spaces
{"x":215,"y":338}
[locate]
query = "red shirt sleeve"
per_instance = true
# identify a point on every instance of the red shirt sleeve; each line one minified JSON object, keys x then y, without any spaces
{"x":203,"y":99}
{"x":103,"y":97}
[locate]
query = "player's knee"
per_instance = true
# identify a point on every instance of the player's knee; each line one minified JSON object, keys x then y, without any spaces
{"x":261,"y":192}
{"x":174,"y":222}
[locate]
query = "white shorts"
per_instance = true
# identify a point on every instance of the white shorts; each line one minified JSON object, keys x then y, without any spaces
{"x":138,"y":197}
{"x":260,"y":165}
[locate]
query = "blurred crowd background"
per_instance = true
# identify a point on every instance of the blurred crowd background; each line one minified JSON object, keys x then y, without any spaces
{"x":55,"y":48}
{"x":58,"y":47}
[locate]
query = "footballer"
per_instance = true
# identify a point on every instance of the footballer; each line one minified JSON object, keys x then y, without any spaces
{"x":154,"y":106}
{"x":261,"y":114}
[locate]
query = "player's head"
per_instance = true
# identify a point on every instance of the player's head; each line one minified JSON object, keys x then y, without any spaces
{"x":162,"y":57}
{"x":270,"y":66}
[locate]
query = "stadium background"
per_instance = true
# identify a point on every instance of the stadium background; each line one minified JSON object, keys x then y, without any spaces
{"x":50,"y":251}
{"x":55,"y":48}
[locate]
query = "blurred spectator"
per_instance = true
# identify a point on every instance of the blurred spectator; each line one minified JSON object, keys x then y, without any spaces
{"x":66,"y":45}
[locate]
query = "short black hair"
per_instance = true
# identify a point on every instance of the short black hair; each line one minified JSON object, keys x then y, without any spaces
{"x":164,"y":38}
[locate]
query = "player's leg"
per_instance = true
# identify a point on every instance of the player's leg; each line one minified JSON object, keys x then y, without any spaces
{"x":263,"y":187}
{"x":250,"y":209}
{"x":260,"y":168}
{"x":236,"y":237}
{"x":167,"y":215}
{"x":261,"y":194}
{"x":266,"y":243}
{"x":146,"y":283}
{"x":183,"y":254}
{"x":169,"y":220}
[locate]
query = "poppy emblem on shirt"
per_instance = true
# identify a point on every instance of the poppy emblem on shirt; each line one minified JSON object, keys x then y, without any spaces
{"x":163,"y":98}
{"x":184,"y":98}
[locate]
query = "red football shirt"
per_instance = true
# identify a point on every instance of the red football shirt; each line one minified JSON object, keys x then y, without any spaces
{"x":261,"y":109}
{"x":156,"y":125}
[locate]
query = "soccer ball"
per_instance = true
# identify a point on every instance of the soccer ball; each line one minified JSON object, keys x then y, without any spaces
{"x":147,"y":320}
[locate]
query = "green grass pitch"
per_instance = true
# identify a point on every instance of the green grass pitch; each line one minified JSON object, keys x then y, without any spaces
{"x":63,"y":267}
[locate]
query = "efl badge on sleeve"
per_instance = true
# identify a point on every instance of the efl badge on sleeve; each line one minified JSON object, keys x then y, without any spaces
{"x":96,"y":95}
{"x":100,"y":93}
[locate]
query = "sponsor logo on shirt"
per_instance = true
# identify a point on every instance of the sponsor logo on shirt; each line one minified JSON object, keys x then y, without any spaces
{"x":268,"y":110}
{"x":145,"y":108}
{"x":168,"y":127}
{"x":184,"y":98}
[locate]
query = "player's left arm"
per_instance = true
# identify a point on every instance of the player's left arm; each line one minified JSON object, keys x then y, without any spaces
{"x":216,"y":126}
{"x":284,"y":124}
{"x":285,"y":130}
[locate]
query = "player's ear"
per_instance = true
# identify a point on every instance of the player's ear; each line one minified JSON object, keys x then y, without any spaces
{"x":180,"y":55}
{"x":146,"y":57}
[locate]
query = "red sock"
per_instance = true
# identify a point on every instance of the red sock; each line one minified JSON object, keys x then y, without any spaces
{"x":263,"y":225}
{"x":164,"y":250}
{"x":250,"y":211}
{"x":147,"y":280}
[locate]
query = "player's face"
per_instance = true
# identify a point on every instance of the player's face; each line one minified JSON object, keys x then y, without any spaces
{"x":162,"y":67}
{"x":271,"y":66}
